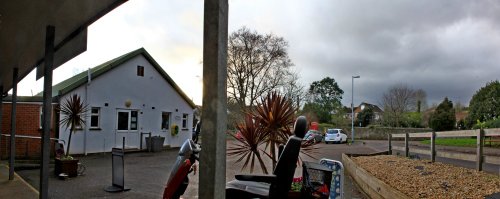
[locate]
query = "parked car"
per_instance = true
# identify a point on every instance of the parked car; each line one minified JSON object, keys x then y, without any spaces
{"x":313,"y":134}
{"x":335,"y":136}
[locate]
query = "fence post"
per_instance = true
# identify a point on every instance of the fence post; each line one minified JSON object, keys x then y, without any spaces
{"x":479,"y":158}
{"x":433,"y":146}
{"x":407,"y":146}
{"x":390,"y":143}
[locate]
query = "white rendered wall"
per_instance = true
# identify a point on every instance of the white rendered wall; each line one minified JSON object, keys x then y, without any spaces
{"x":122,"y":84}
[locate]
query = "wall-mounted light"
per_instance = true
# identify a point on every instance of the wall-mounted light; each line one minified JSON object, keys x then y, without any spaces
{"x":128,"y":103}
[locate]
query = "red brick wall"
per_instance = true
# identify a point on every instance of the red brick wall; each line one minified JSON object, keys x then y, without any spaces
{"x":27,"y":123}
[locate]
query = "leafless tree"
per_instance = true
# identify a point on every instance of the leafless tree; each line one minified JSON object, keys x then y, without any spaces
{"x":257,"y":65}
{"x":396,"y":101}
{"x":294,"y":90}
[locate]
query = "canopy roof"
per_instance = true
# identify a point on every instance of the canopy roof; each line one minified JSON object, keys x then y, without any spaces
{"x":22,"y":32}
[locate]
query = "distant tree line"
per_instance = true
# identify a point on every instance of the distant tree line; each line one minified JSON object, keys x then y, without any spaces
{"x":258,"y":64}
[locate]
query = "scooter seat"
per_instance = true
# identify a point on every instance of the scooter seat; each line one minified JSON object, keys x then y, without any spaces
{"x":255,"y":189}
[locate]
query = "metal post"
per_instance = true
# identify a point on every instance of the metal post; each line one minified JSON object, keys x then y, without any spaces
{"x":407,"y":146}
{"x":433,"y":146}
{"x":47,"y":111}
{"x":480,"y":143}
{"x":213,"y":156}
{"x":352,"y":108}
{"x":13,"y":124}
{"x":390,"y":143}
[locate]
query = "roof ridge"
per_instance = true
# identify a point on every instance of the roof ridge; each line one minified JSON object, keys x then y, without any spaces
{"x":81,"y":78}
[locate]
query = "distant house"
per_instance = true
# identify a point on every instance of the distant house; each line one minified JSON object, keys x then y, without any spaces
{"x":128,"y":97}
{"x":376,"y":110}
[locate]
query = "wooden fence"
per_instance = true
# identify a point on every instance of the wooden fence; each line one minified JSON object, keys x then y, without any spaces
{"x":479,"y":158}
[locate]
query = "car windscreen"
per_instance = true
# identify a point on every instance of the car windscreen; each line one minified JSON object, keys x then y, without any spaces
{"x":332,"y":131}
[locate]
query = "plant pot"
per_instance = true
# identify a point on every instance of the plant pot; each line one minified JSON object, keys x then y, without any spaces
{"x":293,"y":194}
{"x":69,"y":167}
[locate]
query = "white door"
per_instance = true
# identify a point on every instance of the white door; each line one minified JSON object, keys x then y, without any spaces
{"x":127,"y":125}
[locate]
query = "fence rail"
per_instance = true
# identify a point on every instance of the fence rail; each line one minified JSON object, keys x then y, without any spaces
{"x":479,"y":157}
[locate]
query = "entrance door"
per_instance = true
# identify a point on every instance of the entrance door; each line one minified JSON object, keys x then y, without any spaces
{"x":127,"y":123}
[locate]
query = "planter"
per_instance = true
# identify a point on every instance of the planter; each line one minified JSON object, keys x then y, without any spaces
{"x":69,"y":167}
{"x":371,"y":185}
{"x":293,"y":194}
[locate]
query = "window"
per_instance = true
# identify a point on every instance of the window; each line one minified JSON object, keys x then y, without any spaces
{"x":41,"y":117}
{"x":165,"y":120}
{"x":184,"y":121}
{"x":94,"y":117}
{"x":127,"y":120}
{"x":140,"y":71}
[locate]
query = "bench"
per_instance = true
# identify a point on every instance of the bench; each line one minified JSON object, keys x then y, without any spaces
{"x":492,"y":139}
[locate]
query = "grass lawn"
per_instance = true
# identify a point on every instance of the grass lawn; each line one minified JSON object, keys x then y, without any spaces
{"x":465,"y":142}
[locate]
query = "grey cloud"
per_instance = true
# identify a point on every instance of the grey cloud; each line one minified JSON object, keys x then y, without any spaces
{"x":447,"y":48}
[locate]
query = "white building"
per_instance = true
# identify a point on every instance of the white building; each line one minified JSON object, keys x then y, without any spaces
{"x":127,"y":96}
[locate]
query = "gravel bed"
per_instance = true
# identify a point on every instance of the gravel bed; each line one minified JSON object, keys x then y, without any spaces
{"x":423,"y":179}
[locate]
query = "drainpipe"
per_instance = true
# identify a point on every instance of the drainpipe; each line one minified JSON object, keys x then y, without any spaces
{"x":89,"y":115}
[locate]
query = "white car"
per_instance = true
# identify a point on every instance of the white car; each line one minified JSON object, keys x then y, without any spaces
{"x":335,"y":136}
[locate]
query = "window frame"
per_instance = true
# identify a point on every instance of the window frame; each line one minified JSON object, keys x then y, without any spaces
{"x":129,"y":120}
{"x":185,"y":120}
{"x":168,"y":121}
{"x":40,"y":117}
{"x":140,"y":71}
{"x":98,"y":115}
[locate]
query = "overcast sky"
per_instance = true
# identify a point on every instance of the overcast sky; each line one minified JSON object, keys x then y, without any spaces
{"x":447,"y":48}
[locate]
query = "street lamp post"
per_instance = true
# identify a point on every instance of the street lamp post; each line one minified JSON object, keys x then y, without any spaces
{"x":352,"y":108}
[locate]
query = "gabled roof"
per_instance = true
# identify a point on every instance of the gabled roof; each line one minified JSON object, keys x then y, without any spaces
{"x":76,"y":81}
{"x":374,"y":107}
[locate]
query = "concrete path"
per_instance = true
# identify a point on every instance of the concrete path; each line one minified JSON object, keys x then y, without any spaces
{"x":16,"y":188}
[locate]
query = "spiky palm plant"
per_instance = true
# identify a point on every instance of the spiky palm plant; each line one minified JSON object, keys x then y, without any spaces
{"x":247,"y":147}
{"x":270,"y":124}
{"x":276,"y":115}
{"x":73,"y":110}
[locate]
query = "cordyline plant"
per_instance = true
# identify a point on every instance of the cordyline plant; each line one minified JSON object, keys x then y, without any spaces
{"x":269,"y":124}
{"x":247,"y":148}
{"x":73,"y":110}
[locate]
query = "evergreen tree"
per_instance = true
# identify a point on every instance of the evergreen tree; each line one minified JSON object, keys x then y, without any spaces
{"x":485,"y":104}
{"x":443,"y":118}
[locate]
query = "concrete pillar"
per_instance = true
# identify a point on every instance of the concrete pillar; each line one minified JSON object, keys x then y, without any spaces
{"x":214,"y":119}
{"x":12,"y":144}
{"x":47,"y":111}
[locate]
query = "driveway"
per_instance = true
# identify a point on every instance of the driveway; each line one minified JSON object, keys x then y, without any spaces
{"x":146,"y":174}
